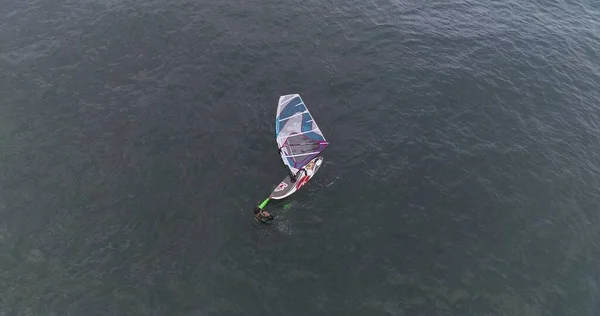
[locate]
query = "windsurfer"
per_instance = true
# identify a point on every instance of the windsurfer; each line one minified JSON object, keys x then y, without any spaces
{"x":309,"y":167}
{"x":262,"y":216}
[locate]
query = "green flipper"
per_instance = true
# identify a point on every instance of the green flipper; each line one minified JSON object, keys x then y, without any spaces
{"x":263,"y":204}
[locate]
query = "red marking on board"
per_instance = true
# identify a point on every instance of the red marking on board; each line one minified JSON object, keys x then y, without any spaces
{"x":281,"y":186}
{"x":302,"y":181}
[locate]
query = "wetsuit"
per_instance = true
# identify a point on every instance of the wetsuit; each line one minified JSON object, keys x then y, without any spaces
{"x":259,"y":217}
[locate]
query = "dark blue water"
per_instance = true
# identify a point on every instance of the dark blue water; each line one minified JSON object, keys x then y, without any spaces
{"x":463,"y":176}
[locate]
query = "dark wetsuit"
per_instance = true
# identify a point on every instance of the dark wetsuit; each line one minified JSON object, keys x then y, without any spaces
{"x":259,"y":217}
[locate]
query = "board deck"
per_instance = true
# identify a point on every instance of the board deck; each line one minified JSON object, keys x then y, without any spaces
{"x":287,"y":187}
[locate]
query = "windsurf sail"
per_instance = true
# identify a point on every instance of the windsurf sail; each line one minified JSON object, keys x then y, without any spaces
{"x":298,"y":137}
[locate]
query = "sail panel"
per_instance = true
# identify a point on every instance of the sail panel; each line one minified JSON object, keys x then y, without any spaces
{"x":298,"y":136}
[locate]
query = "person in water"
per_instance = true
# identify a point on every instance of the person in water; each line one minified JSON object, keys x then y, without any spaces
{"x":262,"y":216}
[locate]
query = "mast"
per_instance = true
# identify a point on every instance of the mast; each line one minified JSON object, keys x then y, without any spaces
{"x":292,"y":175}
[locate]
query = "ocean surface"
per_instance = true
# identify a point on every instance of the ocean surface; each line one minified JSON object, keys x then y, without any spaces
{"x":463,"y":176}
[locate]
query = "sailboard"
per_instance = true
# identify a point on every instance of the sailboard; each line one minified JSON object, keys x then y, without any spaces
{"x":300,"y":142}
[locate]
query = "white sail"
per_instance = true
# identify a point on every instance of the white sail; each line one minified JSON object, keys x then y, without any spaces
{"x":298,"y":137}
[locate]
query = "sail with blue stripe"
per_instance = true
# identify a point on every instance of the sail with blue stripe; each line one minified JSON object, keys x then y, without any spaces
{"x":298,"y":137}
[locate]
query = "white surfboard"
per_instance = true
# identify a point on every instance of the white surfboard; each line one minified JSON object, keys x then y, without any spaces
{"x":287,"y":187}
